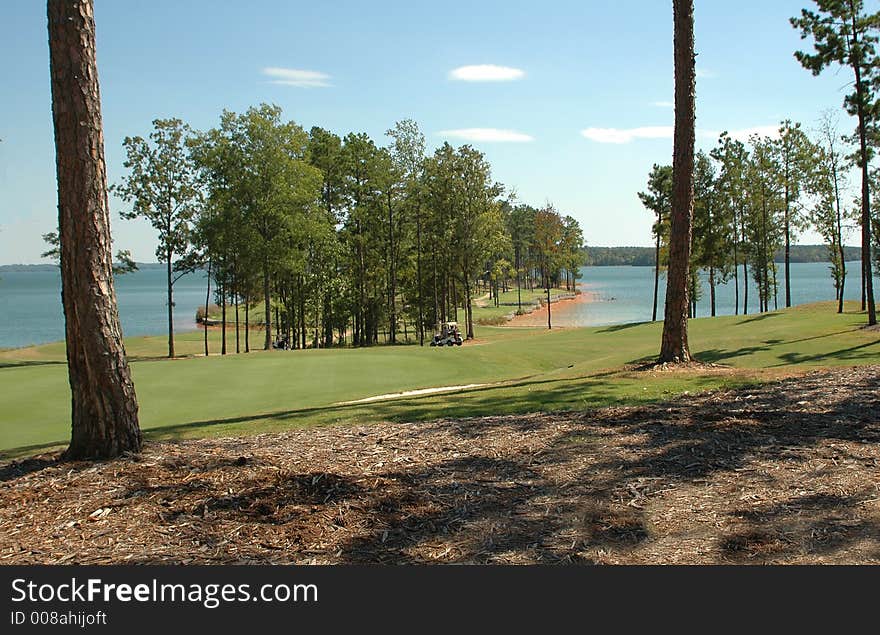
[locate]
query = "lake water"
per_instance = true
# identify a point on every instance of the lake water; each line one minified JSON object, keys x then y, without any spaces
{"x":30,"y":301}
{"x":625,"y":294}
{"x":30,"y":305}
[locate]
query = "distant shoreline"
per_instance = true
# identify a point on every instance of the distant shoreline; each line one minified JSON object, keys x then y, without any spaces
{"x":49,"y":267}
{"x":645,"y":256}
{"x":632,"y":256}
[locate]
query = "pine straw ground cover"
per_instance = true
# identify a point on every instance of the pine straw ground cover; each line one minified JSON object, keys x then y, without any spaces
{"x":785,"y":473}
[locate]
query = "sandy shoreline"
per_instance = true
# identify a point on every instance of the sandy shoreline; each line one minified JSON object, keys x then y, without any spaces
{"x":559,"y":310}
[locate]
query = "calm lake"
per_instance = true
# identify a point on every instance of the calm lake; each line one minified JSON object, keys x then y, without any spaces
{"x":625,"y":294}
{"x":30,"y":304}
{"x":30,"y":301}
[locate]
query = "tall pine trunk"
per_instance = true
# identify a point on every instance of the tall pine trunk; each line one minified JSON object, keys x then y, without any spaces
{"x":842,"y":255}
{"x":656,"y":271}
{"x":223,"y":317}
{"x":867,"y":274}
{"x":207,"y":303}
{"x":392,"y":275}
{"x":787,"y":249}
{"x":104,"y":408}
{"x":267,"y":344}
{"x":469,"y":314}
{"x":170,"y":288}
{"x":237,"y":334}
{"x":735,"y":271}
{"x":549,"y":322}
{"x":674,"y":345}
{"x":518,"y":259}
{"x":712,"y":291}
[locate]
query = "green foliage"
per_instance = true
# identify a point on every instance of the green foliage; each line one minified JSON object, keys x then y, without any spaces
{"x":658,"y":199}
{"x":334,"y":240}
{"x":263,"y":215}
{"x":844,"y":34}
{"x":618,"y":256}
{"x":825,"y":186}
{"x":764,"y":227}
{"x":796,"y":156}
{"x":713,"y":228}
{"x":161,"y":186}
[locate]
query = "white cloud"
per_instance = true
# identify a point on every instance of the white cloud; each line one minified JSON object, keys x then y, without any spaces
{"x":705,"y":73}
{"x":297,"y":77}
{"x":664,"y":104}
{"x":487,"y":134}
{"x":486,"y":73}
{"x":626,"y":135}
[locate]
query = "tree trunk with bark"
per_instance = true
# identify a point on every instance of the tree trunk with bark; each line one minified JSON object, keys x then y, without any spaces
{"x":469,"y":313}
{"x":267,"y":344}
{"x":656,"y":272}
{"x":674,"y":345}
{"x":170,"y":300}
{"x":549,"y":322}
{"x":735,"y":269}
{"x":237,"y":334}
{"x":207,"y":303}
{"x":867,"y":275}
{"x":712,"y":291}
{"x":104,"y":408}
{"x":223,"y":317}
{"x":787,"y":249}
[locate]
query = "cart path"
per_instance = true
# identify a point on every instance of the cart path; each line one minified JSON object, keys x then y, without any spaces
{"x":409,"y":393}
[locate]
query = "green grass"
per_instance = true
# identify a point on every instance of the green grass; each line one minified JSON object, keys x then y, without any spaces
{"x":537,"y":370}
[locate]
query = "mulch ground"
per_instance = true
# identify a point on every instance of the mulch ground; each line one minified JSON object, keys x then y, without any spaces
{"x":785,"y":473}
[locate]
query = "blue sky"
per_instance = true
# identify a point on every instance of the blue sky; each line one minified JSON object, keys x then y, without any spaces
{"x":604,"y":67}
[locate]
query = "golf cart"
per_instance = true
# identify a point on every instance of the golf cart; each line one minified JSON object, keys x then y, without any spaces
{"x":449,"y":335}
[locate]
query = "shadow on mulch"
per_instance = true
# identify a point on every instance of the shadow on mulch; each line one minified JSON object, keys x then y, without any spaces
{"x":680,"y":443}
{"x":17,"y":469}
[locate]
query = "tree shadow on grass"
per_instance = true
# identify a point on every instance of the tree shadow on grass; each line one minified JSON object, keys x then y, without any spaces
{"x":758,"y":318}
{"x":615,"y":328}
{"x":853,"y":354}
{"x":27,"y":452}
{"x":12,"y":363}
{"x":716,"y":355}
{"x":539,"y":395}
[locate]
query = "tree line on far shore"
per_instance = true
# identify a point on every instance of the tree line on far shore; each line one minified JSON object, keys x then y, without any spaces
{"x":335,"y":239}
{"x":630,"y":256}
